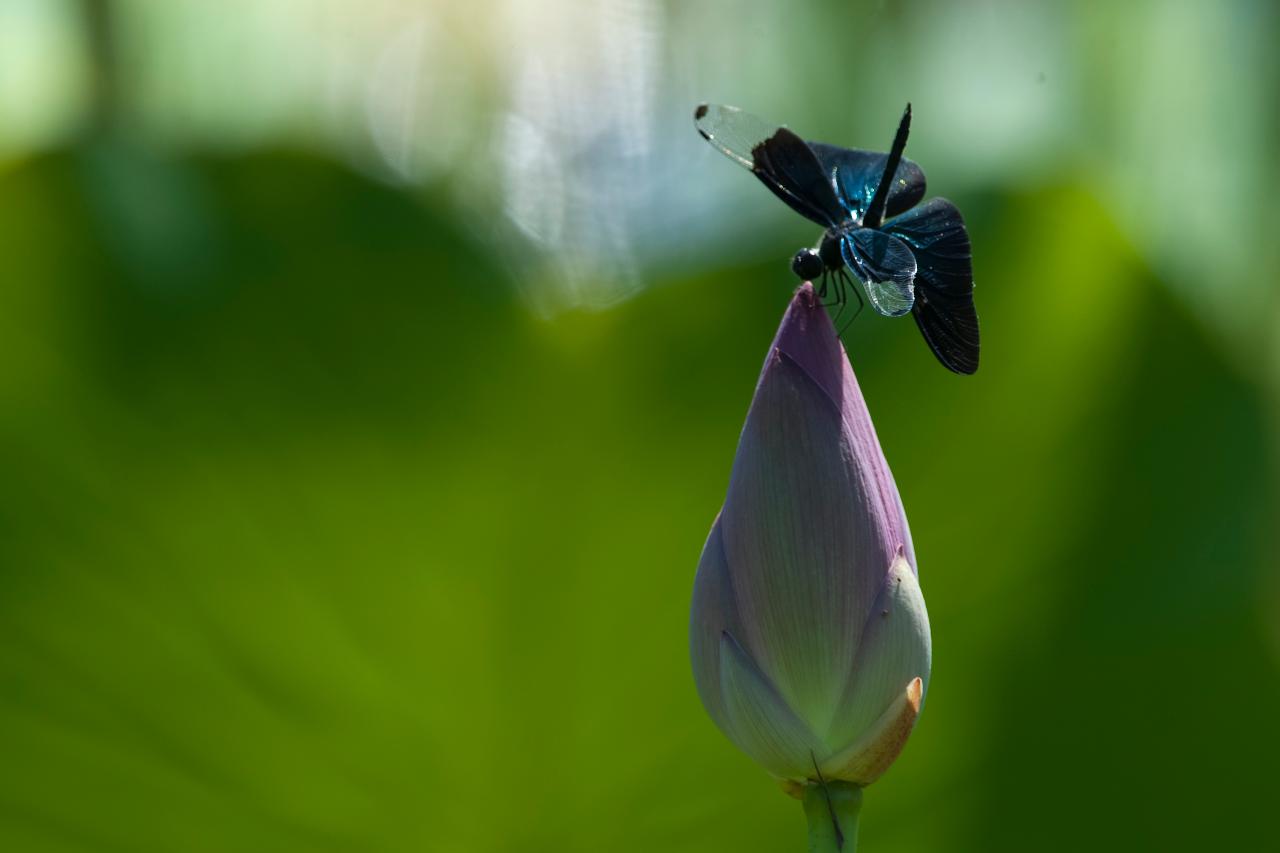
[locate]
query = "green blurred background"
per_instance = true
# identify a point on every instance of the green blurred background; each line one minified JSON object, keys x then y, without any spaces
{"x":370,"y":375}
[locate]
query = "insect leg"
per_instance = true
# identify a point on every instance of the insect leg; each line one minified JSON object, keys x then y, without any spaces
{"x":857,"y":294}
{"x":861,"y":303}
{"x":841,"y":299}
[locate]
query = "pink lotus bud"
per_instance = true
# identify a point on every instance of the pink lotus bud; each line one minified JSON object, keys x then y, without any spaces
{"x":809,"y":635}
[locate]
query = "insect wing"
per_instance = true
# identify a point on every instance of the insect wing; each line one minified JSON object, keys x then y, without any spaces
{"x":886,"y":267}
{"x":857,"y":172}
{"x":944,"y":308}
{"x":781,"y":160}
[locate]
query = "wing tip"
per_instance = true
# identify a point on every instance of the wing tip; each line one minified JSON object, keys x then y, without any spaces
{"x":699,"y":113}
{"x":961,"y":363}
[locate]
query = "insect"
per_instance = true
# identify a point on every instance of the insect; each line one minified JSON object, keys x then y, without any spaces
{"x":909,"y":256}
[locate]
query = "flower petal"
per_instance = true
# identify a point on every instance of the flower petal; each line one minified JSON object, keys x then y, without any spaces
{"x":894,"y":648}
{"x":809,"y":338}
{"x":790,"y":541}
{"x":760,"y":721}
{"x":712,"y":613}
{"x":802,"y":536}
{"x":864,"y":761}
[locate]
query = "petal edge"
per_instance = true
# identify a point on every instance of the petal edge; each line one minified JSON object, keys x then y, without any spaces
{"x":865,"y":761}
{"x":761,"y":722}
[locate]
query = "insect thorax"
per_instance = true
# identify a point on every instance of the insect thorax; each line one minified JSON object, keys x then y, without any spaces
{"x":829,"y":250}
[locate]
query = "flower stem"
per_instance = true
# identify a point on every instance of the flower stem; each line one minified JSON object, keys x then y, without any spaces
{"x":832,"y":811}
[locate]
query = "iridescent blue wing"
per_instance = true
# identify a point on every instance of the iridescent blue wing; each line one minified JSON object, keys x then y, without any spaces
{"x":857,"y":172}
{"x":944,"y":308}
{"x":885,"y":266}
{"x":780,"y":159}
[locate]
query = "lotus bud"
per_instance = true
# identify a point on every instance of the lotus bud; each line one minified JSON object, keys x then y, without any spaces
{"x":809,"y":636}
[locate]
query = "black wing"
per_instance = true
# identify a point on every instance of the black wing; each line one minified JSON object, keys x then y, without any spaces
{"x":781,"y":160}
{"x":944,"y":308}
{"x":857,"y":173}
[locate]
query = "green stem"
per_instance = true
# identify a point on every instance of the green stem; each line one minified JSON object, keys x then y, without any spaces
{"x":832,"y":811}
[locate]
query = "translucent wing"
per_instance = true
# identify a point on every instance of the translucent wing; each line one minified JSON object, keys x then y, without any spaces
{"x":857,"y":172}
{"x":886,"y":267}
{"x":944,"y":308}
{"x":781,"y":160}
